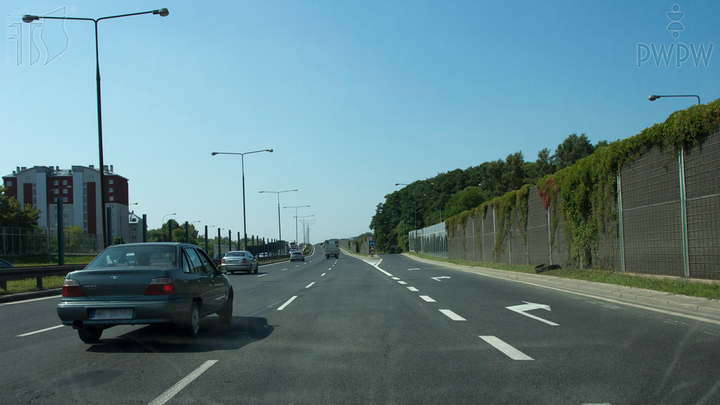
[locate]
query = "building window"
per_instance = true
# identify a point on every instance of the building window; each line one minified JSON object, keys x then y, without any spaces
{"x":56,"y":191}
{"x":64,"y":182}
{"x":110,"y":181}
{"x":65,"y":216}
{"x":112,"y":198}
{"x":65,"y":191}
{"x":9,"y":183}
{"x":112,"y":189}
{"x":57,"y":182}
{"x":65,"y":199}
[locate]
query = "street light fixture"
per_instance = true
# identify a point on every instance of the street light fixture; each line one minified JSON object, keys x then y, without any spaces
{"x":296,"y":222}
{"x":654,"y":97}
{"x":163,"y":222}
{"x":414,"y":201}
{"x":163,"y":12}
{"x":242,"y":156}
{"x":278,"y":198}
{"x":304,"y":221}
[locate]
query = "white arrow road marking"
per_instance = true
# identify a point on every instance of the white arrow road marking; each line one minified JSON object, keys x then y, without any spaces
{"x":452,"y":315}
{"x":508,"y":350}
{"x":39,"y":331}
{"x":167,"y":395}
{"x":529,"y":306}
{"x":439,"y":278}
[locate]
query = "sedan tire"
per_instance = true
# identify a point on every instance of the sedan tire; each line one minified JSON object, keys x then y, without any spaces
{"x":192,"y":327}
{"x":226,"y":312}
{"x":90,"y":334}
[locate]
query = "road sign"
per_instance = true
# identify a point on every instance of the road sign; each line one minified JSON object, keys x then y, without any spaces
{"x":372,"y":243}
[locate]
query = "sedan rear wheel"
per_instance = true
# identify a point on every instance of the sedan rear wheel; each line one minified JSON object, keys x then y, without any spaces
{"x":227,"y":310}
{"x":90,"y":334}
{"x":193,"y":323}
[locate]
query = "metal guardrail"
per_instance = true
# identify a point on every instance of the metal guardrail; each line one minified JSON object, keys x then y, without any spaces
{"x":38,"y":272}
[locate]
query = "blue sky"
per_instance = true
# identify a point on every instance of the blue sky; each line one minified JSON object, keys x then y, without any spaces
{"x":352,"y":96}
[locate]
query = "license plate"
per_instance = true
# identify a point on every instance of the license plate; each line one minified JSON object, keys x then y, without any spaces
{"x":114,"y":313}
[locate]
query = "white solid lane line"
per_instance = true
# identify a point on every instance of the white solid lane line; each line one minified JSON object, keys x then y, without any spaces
{"x":508,"y":350}
{"x":413,"y":289}
{"x":309,"y":285}
{"x":32,"y":300}
{"x":427,"y":298}
{"x":452,"y":315}
{"x":287,"y":303}
{"x":40,"y":331}
{"x":262,"y":275}
{"x":167,"y":395}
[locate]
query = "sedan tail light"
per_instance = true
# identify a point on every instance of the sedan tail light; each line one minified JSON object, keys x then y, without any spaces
{"x":244,"y":261}
{"x":71,"y":288}
{"x":160,"y":286}
{"x":223,"y":260}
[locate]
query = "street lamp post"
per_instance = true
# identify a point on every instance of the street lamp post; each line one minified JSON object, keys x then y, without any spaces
{"x":278,"y":198}
{"x":296,"y":222}
{"x":414,"y":201}
{"x":304,"y":221}
{"x":163,"y":12}
{"x":163,"y":221}
{"x":242,"y":158}
{"x":654,"y":97}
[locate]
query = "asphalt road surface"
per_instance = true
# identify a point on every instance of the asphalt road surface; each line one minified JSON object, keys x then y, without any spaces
{"x":350,"y":331}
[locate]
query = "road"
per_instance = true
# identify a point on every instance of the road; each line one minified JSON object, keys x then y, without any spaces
{"x":351,"y":331}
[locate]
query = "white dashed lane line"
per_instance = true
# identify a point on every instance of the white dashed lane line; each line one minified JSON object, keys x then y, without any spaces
{"x":287,"y":303}
{"x":427,"y":298}
{"x":40,"y":331}
{"x":508,"y":350}
{"x":413,"y":289}
{"x":167,"y":395}
{"x":402,"y":282}
{"x":309,"y":285}
{"x":452,"y":315}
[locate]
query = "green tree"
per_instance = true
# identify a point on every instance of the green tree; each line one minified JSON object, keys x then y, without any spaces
{"x":572,"y":149}
{"x":471,"y":197}
{"x":13,"y":215}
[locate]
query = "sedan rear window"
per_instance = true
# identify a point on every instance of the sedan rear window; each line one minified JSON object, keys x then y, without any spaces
{"x":232,"y":254}
{"x":132,"y":256}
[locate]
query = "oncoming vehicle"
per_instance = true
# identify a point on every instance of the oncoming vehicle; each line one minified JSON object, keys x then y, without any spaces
{"x":145,"y":283}
{"x":240,"y":260}
{"x":297,"y":255}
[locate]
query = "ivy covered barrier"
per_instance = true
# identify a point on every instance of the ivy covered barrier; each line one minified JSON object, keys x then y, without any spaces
{"x":581,"y":200}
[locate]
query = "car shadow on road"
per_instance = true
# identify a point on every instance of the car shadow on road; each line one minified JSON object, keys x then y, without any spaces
{"x":214,"y":335}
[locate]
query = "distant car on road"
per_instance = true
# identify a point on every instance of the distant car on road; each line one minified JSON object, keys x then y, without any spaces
{"x":297,"y":256}
{"x":240,"y":260}
{"x":145,"y":283}
{"x":5,"y":263}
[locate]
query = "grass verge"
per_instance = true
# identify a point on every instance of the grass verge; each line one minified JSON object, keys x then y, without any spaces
{"x":30,"y":284}
{"x":693,"y":288}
